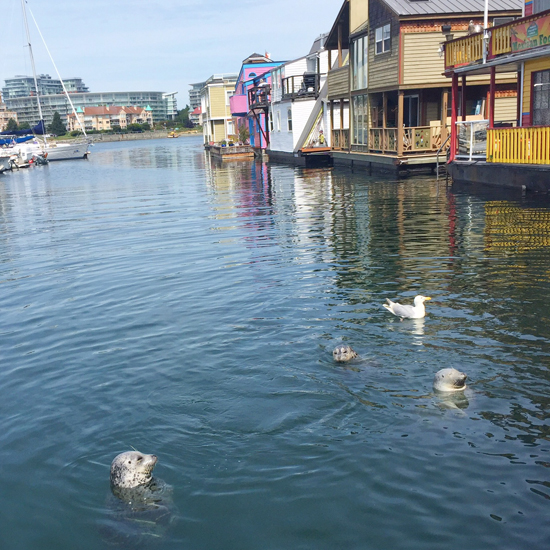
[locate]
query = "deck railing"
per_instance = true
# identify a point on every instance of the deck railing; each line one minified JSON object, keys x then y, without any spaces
{"x":464,"y":50}
{"x":417,"y":139}
{"x":519,"y":145}
{"x":340,"y":140}
{"x":469,"y":49}
{"x":383,"y":140}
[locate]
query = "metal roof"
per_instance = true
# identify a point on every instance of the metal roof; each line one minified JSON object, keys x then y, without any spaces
{"x":433,"y":7}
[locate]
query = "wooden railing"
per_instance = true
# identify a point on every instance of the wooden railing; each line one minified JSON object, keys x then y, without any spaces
{"x":501,"y":40}
{"x":464,"y":50}
{"x":340,"y":140}
{"x":469,"y":49}
{"x":421,"y":138}
{"x":519,"y":145}
{"x":383,"y":140}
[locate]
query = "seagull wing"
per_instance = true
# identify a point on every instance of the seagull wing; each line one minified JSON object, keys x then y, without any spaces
{"x":402,"y":311}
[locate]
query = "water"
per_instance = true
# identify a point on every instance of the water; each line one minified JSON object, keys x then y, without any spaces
{"x":155,"y":298}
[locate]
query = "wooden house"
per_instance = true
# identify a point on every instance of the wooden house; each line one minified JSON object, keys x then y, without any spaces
{"x":389,"y":78}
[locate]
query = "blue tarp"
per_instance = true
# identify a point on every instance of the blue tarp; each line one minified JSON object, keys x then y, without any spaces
{"x":11,"y":141}
{"x":39,"y":129}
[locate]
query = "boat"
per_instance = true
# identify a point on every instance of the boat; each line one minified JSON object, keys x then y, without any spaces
{"x":42,"y":149}
{"x":5,"y":162}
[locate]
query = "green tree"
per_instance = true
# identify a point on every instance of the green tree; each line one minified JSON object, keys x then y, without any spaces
{"x":183,"y":117}
{"x":12,"y":125}
{"x":57,"y":127}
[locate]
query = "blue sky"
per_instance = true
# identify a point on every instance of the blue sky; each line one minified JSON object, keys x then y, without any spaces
{"x":122,"y":45}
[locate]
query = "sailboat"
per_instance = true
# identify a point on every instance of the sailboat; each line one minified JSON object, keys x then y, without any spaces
{"x":41,"y":148}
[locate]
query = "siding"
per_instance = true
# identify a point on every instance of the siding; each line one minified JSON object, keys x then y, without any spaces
{"x":217,"y":102}
{"x":383,"y":68}
{"x":338,"y":83}
{"x":219,"y":130}
{"x":506,"y":108}
{"x":530,"y":68}
{"x":422,"y":64}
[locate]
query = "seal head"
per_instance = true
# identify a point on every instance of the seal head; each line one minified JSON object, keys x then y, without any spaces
{"x":342,"y":354}
{"x":449,"y":380}
{"x":132,"y":469}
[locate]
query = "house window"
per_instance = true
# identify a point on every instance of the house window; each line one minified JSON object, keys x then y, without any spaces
{"x":541,"y":98}
{"x":278,"y":121}
{"x":359,"y":63}
{"x":383,"y":39}
{"x":289,"y":120}
{"x":360,"y":122}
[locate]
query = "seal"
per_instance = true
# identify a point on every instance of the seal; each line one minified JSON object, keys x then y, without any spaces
{"x":342,"y":354}
{"x":131,"y":469}
{"x":449,"y":380}
{"x":139,"y":510}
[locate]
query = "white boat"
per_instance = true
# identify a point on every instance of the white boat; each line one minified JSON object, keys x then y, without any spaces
{"x":51,"y":151}
{"x":47,"y":150}
{"x":5,"y":163}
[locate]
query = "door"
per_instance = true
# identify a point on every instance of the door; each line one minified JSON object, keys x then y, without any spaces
{"x":411,"y":111}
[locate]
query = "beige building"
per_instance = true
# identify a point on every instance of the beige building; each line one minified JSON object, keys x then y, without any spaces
{"x":105,"y":118}
{"x":5,"y":115}
{"x":217,"y":122}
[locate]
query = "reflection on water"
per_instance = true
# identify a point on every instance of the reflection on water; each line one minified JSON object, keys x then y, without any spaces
{"x":159,"y":298}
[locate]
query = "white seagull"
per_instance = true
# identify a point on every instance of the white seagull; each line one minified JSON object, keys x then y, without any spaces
{"x":418,"y":311}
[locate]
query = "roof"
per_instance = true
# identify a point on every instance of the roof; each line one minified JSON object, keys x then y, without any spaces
{"x":433,"y":7}
{"x":331,"y":42}
{"x":318,"y":43}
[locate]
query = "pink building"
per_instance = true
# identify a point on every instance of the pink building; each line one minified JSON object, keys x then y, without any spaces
{"x":250,"y":102}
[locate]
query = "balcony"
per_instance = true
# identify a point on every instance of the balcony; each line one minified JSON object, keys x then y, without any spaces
{"x":238,"y":104}
{"x":258,"y":97}
{"x":506,"y":39}
{"x":304,"y":86}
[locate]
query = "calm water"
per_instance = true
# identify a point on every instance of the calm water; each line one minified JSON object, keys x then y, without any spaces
{"x":154,"y":298}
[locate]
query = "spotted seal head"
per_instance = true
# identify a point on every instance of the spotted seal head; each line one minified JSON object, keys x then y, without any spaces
{"x":450,"y":380}
{"x":342,"y":354}
{"x":132,"y":469}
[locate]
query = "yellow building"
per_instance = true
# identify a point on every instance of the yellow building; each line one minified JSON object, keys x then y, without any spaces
{"x":217,"y":122}
{"x":512,"y":152}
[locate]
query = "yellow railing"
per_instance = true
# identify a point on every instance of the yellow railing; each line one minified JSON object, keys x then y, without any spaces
{"x":464,"y":50}
{"x":519,"y":145}
{"x":501,"y":40}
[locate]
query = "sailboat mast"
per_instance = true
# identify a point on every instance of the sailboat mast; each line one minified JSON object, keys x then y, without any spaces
{"x":32,"y":62}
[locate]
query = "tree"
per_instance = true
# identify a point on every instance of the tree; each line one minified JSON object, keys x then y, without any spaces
{"x":183,"y":117}
{"x":12,"y":125}
{"x":57,"y":127}
{"x":244,"y":134}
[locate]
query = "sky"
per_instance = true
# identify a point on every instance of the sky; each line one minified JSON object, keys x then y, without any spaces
{"x":123,"y":45}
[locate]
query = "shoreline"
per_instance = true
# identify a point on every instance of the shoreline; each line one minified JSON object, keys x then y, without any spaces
{"x":156,"y":134}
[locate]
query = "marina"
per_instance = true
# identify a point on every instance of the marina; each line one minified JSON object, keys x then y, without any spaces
{"x":155,"y":298}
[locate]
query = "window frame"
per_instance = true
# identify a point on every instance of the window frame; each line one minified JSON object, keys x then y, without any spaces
{"x":534,"y":94}
{"x":289,"y":119}
{"x":383,"y":39}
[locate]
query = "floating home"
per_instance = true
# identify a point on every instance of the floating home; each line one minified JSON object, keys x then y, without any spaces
{"x":389,"y":101}
{"x":507,"y":152}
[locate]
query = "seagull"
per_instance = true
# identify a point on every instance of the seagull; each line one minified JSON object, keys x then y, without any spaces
{"x":408,"y":312}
